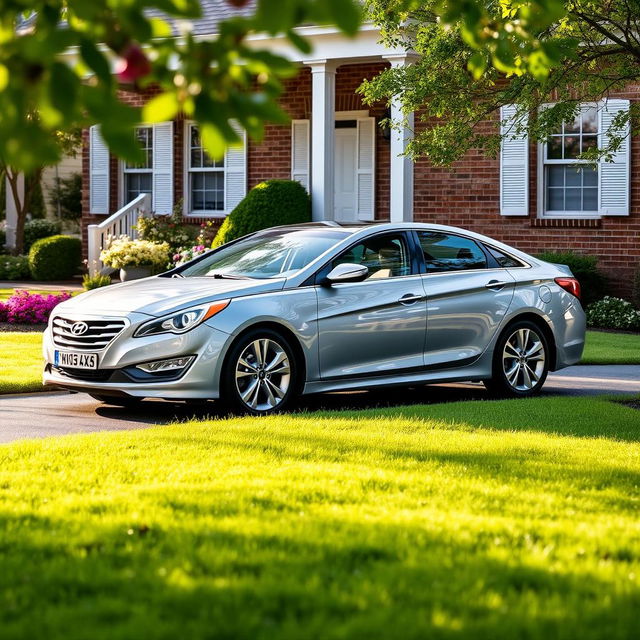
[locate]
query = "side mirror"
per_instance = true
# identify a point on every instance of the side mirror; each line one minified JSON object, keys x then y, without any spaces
{"x":347,"y":272}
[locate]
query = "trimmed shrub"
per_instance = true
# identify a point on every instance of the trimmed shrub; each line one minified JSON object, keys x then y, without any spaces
{"x":55,"y":258}
{"x":30,"y":308}
{"x":36,"y":229}
{"x":14,"y":268}
{"x":90,"y":282}
{"x":585,"y":268}
{"x":268,"y":204}
{"x":613,"y":313}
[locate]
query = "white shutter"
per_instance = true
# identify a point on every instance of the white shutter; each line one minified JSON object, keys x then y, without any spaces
{"x":613,"y":177}
{"x":366,"y":168}
{"x":163,"y":168}
{"x":300,"y":152}
{"x":98,"y":172}
{"x":235,"y":172}
{"x":514,"y":164}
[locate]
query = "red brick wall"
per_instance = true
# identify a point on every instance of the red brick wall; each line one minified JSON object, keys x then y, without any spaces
{"x":466,"y":194}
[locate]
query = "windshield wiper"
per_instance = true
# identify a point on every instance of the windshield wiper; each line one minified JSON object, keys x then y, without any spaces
{"x":226,"y":276}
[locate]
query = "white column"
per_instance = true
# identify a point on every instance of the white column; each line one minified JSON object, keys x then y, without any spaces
{"x":12,"y":211}
{"x":323,"y":91}
{"x":401,"y":196}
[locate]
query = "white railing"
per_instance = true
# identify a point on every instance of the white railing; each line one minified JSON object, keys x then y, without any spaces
{"x":121,"y":222}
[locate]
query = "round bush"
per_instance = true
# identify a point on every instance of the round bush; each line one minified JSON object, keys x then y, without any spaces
{"x":55,"y":258}
{"x":36,"y":229}
{"x":269,"y":204}
{"x":613,"y":313}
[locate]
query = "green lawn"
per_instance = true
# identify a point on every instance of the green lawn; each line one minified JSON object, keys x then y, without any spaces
{"x":611,"y":348}
{"x":20,"y":362}
{"x":415,"y":522}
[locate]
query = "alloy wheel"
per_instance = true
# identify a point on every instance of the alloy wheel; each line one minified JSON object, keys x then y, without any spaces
{"x":523,"y":359}
{"x":263,"y":374}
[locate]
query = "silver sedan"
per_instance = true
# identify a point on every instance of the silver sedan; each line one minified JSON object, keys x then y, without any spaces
{"x":322,"y":307}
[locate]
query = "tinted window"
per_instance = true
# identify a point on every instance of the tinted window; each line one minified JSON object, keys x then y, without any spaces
{"x":447,"y":252}
{"x":503,"y":259}
{"x":385,"y":256}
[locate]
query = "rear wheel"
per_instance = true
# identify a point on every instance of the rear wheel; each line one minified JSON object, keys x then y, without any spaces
{"x":520,"y":361}
{"x":261,"y":374}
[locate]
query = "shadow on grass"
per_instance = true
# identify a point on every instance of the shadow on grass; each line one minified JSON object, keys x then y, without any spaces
{"x":329,"y":579}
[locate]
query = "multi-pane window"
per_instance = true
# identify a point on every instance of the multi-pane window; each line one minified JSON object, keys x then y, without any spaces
{"x":138,"y":178}
{"x":206,"y":177}
{"x":571,"y":184}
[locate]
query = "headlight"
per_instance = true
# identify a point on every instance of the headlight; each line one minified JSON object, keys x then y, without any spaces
{"x":182,"y":321}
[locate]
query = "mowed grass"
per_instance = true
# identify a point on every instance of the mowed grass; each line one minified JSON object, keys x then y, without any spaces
{"x":415,"y":522}
{"x":20,"y":362}
{"x":611,"y":348}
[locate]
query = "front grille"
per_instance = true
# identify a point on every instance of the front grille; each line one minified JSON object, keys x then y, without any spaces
{"x":99,"y":333}
{"x":98,"y":375}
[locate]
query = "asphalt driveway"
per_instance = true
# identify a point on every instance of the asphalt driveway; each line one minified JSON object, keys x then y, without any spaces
{"x":38,"y":415}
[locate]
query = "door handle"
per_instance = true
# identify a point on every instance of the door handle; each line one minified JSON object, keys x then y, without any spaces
{"x":410,"y":298}
{"x":496,"y":284}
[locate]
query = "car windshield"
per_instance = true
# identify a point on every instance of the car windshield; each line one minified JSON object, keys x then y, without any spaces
{"x":276,"y":254}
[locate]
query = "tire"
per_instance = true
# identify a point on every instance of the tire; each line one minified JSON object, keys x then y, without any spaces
{"x":261,"y":374}
{"x":117,"y":401}
{"x":520,"y":361}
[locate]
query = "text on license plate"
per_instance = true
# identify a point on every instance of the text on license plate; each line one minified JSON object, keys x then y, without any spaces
{"x":76,"y":360}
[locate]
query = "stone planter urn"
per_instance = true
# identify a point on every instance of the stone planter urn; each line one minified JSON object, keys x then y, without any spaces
{"x":135,"y":273}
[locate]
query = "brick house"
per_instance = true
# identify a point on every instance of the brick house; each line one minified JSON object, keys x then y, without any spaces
{"x":532,"y":196}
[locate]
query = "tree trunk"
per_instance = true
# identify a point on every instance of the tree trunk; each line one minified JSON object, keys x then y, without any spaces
{"x":22,"y":204}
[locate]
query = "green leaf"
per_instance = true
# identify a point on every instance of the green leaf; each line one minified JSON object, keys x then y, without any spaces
{"x":160,"y":28}
{"x":4,"y":77}
{"x":161,"y":108}
{"x":347,"y":14}
{"x":477,"y":65}
{"x":213,"y":140}
{"x":63,"y":88}
{"x":302,"y":44}
{"x":95,"y":60}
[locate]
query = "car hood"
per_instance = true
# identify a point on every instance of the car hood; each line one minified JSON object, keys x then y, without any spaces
{"x":157,"y":296}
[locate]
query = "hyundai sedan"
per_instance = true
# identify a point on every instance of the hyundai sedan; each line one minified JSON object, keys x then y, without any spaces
{"x":321,"y":307}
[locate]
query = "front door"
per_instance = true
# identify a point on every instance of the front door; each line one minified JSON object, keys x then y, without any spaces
{"x":345,"y":189}
{"x":377,"y":326}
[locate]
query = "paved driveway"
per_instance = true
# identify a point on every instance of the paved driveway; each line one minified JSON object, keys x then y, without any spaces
{"x":38,"y":415}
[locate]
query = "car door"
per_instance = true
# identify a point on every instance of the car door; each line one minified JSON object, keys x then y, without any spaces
{"x":376,"y":326}
{"x":468,"y":295}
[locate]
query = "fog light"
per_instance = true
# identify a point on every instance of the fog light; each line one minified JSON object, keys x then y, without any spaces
{"x":172,"y":364}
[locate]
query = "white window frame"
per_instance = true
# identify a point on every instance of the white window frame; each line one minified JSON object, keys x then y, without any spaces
{"x":541,"y":186}
{"x":124,"y":170}
{"x":188,"y":211}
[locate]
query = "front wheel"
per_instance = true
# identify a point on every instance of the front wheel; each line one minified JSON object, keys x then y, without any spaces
{"x":261,"y":374}
{"x":520,"y":361}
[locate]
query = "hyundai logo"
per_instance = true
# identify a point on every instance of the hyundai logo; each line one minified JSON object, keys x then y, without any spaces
{"x":79,"y":328}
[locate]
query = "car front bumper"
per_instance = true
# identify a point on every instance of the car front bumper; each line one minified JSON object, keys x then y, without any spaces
{"x":118,"y":360}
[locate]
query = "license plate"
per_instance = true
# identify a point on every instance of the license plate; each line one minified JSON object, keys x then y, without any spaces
{"x":76,"y":360}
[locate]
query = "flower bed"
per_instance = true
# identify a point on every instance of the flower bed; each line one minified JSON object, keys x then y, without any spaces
{"x":30,"y":308}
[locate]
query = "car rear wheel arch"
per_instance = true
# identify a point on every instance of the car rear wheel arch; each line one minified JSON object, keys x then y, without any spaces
{"x":543,"y":325}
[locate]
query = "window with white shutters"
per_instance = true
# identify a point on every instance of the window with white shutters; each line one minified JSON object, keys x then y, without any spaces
{"x":214,"y":187}
{"x":138,"y":178}
{"x":514,"y":163}
{"x":98,"y":172}
{"x":572,"y":187}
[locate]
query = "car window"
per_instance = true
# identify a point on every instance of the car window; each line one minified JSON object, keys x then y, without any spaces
{"x":503,"y":259}
{"x":448,"y":252}
{"x":386,"y":256}
{"x":272,"y":254}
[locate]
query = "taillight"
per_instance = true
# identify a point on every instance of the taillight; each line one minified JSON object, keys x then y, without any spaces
{"x":569,"y":284}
